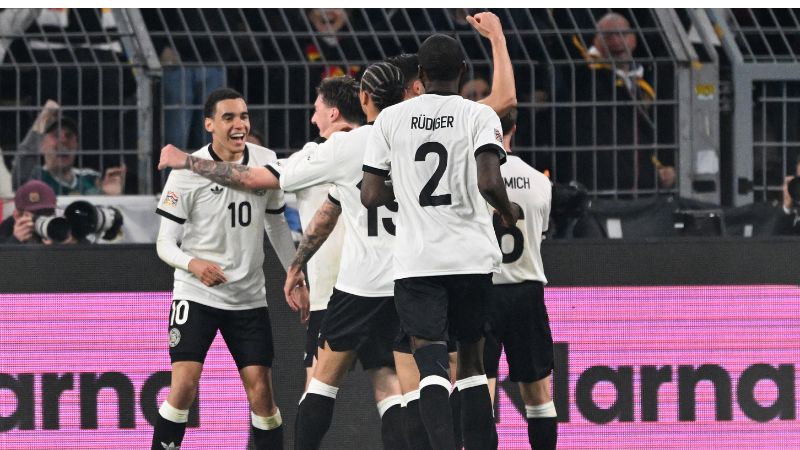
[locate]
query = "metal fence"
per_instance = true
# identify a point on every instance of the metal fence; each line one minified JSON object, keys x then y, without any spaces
{"x":136,"y":79}
{"x":763,"y":46}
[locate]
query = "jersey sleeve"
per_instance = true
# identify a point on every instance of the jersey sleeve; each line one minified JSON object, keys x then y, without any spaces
{"x":377,"y":158}
{"x":333,"y":195}
{"x":176,"y":198}
{"x":313,"y":165}
{"x":488,"y":133}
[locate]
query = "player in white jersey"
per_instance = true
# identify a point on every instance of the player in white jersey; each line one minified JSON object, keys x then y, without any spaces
{"x":501,"y":100}
{"x":336,"y":108}
{"x":518,"y":316}
{"x":361,"y":320}
{"x":444,"y":153}
{"x":213,"y":236}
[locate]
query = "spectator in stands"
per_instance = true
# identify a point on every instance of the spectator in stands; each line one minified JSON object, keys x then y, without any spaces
{"x":32,"y":199}
{"x":617,"y":116}
{"x":788,"y":221}
{"x":476,"y":89}
{"x":58,"y":144}
{"x":329,"y":45}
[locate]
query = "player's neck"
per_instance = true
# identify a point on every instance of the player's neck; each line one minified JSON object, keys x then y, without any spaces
{"x":225,"y":154}
{"x":442,"y":87}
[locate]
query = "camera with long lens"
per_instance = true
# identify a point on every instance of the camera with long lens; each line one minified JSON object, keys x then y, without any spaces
{"x":54,"y":228}
{"x":87,"y":219}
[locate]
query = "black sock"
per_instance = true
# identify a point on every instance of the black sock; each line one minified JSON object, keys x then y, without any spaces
{"x":314,"y":417}
{"x":267,"y":439}
{"x":167,"y":432}
{"x":434,"y":408}
{"x":477,"y":420}
{"x":392,"y":428}
{"x":455,"y":409}
{"x":416,"y":436}
{"x":543,"y":432}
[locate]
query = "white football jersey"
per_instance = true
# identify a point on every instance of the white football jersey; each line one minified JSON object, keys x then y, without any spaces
{"x":429,"y":144}
{"x":224,"y":226}
{"x":521,"y":245}
{"x":366,"y":265}
{"x":323,"y":267}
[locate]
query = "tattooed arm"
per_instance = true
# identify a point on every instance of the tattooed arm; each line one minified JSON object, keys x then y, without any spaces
{"x":227,"y":174}
{"x":315,"y":235}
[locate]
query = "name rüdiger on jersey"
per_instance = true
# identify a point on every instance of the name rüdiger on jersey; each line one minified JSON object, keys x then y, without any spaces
{"x":422,"y":122}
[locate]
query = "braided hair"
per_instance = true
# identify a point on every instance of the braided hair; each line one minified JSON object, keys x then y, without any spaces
{"x":384,"y":83}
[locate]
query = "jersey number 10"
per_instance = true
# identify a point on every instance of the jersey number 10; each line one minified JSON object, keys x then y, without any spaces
{"x":243,"y":216}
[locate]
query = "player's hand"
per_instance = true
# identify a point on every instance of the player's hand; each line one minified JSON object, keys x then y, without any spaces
{"x":207,"y":272}
{"x":114,"y":180}
{"x":487,"y":24}
{"x":23,"y":227}
{"x":336,"y":126}
{"x":510,"y":221}
{"x":46,"y":116}
{"x":172,"y":157}
{"x":296,"y":292}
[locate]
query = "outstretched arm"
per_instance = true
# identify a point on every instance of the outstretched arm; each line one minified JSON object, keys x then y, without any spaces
{"x":504,"y":93}
{"x":316,"y":233}
{"x":227,"y":174}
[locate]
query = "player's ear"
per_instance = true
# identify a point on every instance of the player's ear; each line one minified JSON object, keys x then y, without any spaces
{"x":417,"y":87}
{"x":334,"y":114}
{"x":364,"y":98}
{"x":209,"y":124}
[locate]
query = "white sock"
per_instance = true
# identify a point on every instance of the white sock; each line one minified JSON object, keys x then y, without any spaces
{"x":477,"y":380}
{"x":410,"y":397}
{"x":266,"y":423}
{"x":540,"y":411}
{"x":431,"y":380}
{"x":173,"y":414}
{"x":320,"y":388}
{"x":388,"y":402}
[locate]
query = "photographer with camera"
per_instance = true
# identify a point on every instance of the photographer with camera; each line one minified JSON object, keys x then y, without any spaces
{"x":34,"y":219}
{"x":788,"y":222}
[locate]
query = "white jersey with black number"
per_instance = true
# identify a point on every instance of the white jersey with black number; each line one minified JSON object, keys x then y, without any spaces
{"x":430,"y":144}
{"x":323,"y":267}
{"x":366,"y":265}
{"x":521,"y":245}
{"x":224,"y":226}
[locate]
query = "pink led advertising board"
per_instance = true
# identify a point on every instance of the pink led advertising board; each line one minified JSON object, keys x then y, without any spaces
{"x":637,"y":367}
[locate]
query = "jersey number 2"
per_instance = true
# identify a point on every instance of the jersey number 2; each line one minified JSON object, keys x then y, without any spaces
{"x":516,"y":234}
{"x":244,"y":214}
{"x":426,"y":197}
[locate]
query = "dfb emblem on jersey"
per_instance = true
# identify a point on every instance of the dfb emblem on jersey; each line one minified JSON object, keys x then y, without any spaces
{"x":174,"y":337}
{"x":498,"y":135}
{"x":216,"y":190}
{"x":171,"y":199}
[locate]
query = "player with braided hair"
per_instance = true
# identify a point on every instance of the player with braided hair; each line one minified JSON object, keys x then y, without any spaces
{"x":361,"y":321}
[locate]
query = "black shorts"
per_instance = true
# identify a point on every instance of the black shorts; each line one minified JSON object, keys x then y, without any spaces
{"x":312,"y":337}
{"x":441,"y":307}
{"x":193,"y":327}
{"x":366,"y":325}
{"x":519,"y":324}
{"x":402,"y":343}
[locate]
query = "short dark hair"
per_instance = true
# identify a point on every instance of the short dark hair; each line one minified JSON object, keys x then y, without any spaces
{"x":441,"y":57}
{"x":408,"y":64}
{"x":65,"y":123}
{"x":508,"y":121}
{"x":384,"y":83}
{"x":256,"y":134}
{"x":216,"y":96}
{"x":342,"y":93}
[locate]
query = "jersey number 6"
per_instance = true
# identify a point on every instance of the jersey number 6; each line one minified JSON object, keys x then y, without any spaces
{"x":514,"y":232}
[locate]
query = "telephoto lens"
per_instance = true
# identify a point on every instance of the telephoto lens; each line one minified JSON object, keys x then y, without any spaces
{"x":86,"y":218}
{"x":53,"y":228}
